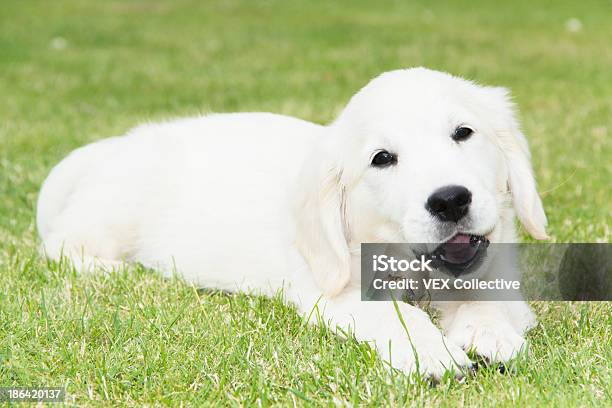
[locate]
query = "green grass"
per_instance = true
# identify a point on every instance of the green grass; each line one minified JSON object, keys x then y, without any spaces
{"x":74,"y":71}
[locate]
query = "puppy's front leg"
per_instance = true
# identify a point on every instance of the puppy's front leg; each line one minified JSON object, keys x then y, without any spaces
{"x":422,"y":347}
{"x":493,"y":329}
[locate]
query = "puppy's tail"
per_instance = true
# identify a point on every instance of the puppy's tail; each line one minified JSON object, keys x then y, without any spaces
{"x":63,"y":180}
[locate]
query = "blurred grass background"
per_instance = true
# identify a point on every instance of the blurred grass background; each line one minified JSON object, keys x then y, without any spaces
{"x":76,"y":71}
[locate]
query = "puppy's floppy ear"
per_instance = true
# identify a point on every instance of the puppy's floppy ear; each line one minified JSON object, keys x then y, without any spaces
{"x":521,"y":181}
{"x":321,"y":222}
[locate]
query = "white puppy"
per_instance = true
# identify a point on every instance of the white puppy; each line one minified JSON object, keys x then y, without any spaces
{"x":258,"y":202}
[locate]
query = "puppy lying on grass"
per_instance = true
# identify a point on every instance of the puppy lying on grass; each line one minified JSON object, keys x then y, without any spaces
{"x":257,"y":202}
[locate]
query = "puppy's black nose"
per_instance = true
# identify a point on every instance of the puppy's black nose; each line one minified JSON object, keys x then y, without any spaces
{"x":449,"y":203}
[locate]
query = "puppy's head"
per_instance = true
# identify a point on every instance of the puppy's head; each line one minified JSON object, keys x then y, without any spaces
{"x":416,"y":156}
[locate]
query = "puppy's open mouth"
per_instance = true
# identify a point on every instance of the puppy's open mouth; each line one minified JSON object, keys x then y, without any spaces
{"x":461,"y":254}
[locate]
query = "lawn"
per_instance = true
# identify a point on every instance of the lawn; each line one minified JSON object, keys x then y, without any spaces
{"x":73,"y":71}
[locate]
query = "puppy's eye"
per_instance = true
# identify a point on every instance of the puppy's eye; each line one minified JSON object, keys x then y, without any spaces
{"x":462,"y":133}
{"x":384,"y":159}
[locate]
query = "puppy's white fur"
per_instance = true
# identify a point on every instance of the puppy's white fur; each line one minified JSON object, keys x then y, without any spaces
{"x":258,"y":202}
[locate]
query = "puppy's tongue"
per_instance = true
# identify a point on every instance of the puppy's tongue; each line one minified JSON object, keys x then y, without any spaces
{"x":459,"y":249}
{"x":459,"y":239}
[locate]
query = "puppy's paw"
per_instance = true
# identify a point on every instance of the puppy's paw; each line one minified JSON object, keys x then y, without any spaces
{"x":435,"y":357}
{"x":425,"y":350}
{"x":495,"y":341}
